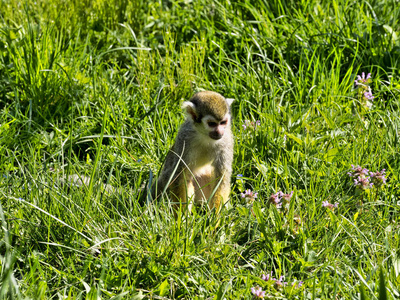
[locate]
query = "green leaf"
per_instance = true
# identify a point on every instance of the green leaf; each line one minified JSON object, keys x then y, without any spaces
{"x":326,"y":118}
{"x":138,"y":296}
{"x":392,"y":32}
{"x":355,"y":216}
{"x":382,"y":286}
{"x":362,"y":293}
{"x":331,"y":154}
{"x":295,"y":138}
{"x":164,"y":287}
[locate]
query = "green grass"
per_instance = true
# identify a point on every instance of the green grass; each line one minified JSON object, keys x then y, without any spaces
{"x":95,"y":87}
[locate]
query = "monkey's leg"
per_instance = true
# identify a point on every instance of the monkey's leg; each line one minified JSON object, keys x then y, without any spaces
{"x":203,"y":186}
{"x":223,"y":189}
{"x":182,"y":191}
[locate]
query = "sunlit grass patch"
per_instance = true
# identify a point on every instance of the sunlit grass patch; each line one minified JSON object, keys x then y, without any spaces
{"x":95,"y":89}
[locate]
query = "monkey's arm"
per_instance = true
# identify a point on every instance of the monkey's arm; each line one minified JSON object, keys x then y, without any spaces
{"x":174,"y":174}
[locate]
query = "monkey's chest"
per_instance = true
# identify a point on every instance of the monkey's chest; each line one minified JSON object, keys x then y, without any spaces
{"x":202,"y":160}
{"x":203,"y":184}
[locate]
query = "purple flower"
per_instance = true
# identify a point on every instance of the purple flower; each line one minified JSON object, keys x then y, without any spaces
{"x":362,"y":183}
{"x":378,"y":178}
{"x":275,"y":199}
{"x":298,"y":285}
{"x":251,"y":124}
{"x":286,"y":197}
{"x":364,"y":179}
{"x":364,"y":90}
{"x":266,"y":277}
{"x":279,"y":282}
{"x":358,"y":171}
{"x":258,"y":293}
{"x":361,"y":80}
{"x":249,"y":195}
{"x":329,"y":205}
{"x":239,"y":175}
{"x":280,"y":199}
{"x":368,"y":95}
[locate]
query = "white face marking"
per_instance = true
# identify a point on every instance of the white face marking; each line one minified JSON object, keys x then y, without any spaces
{"x":214,"y":128}
{"x":210,"y":122}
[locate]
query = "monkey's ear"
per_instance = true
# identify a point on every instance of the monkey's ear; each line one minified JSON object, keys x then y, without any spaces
{"x":190,"y":109}
{"x":229,"y":100}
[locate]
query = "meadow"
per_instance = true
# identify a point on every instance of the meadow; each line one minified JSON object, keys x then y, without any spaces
{"x":95,"y":88}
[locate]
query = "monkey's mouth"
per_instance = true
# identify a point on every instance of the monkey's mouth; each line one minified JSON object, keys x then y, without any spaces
{"x":215,"y":135}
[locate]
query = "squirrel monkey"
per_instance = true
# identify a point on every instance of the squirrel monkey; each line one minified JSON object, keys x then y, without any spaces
{"x":198,"y":167}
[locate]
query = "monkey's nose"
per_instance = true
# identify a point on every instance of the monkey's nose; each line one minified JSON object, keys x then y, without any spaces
{"x":215,"y":135}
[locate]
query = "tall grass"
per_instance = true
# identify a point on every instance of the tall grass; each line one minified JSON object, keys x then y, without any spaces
{"x":94,"y":88}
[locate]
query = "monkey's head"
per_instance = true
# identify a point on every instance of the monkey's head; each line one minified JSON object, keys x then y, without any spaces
{"x":210,"y":113}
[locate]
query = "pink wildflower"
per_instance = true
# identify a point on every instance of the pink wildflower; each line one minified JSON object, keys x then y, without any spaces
{"x":329,"y":205}
{"x":298,"y":285}
{"x":280,"y":199}
{"x":362,"y":80}
{"x":266,"y":277}
{"x":368,"y":95}
{"x":378,"y":178}
{"x":279,"y":282}
{"x":258,"y":293}
{"x":249,"y":195}
{"x":251,"y":124}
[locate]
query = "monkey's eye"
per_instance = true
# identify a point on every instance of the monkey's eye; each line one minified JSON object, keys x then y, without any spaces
{"x":224,"y":122}
{"x":212,"y":124}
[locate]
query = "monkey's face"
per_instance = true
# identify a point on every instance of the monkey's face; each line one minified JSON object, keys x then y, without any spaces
{"x":215,"y":128}
{"x":209,"y":114}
